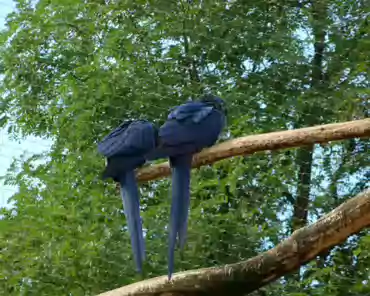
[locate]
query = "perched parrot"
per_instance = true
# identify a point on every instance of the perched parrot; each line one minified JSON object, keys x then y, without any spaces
{"x":125,"y":149}
{"x":189,"y":128}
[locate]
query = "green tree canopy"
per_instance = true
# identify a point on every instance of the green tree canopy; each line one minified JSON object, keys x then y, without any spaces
{"x":73,"y":70}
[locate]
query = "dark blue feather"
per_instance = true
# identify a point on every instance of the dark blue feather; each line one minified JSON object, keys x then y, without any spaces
{"x":131,"y":204}
{"x":186,"y":110}
{"x":125,"y":149}
{"x":189,"y":128}
{"x":181,"y":167}
{"x":131,"y":138}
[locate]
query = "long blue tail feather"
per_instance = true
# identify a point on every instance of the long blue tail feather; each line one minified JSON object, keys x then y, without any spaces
{"x":131,"y":203}
{"x":181,"y":168}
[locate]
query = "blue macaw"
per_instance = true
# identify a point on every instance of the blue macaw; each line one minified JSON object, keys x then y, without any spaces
{"x":125,"y":149}
{"x":189,"y":128}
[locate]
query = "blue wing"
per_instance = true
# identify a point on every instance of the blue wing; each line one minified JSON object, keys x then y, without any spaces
{"x":193,"y":110}
{"x":190,"y":130}
{"x":130,"y":138}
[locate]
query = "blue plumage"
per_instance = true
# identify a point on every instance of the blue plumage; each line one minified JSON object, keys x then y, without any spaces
{"x":125,"y":149}
{"x":181,"y":167}
{"x":189,"y":128}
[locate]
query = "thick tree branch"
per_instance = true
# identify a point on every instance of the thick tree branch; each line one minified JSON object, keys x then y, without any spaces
{"x":244,"y":277}
{"x":269,"y":141}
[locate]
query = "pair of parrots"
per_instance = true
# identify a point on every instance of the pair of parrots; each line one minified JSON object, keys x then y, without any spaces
{"x":189,"y":128}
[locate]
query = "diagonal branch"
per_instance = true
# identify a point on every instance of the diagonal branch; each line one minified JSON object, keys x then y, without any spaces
{"x":269,"y":141}
{"x":247,"y":276}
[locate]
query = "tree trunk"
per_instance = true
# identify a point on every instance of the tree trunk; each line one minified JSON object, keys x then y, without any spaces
{"x":309,"y":117}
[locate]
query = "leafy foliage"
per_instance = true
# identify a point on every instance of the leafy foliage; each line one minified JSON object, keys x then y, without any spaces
{"x":73,"y":70}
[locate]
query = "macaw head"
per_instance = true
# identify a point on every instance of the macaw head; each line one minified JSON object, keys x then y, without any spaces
{"x":216,"y":102}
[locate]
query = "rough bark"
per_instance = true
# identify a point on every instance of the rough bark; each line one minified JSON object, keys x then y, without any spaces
{"x":269,"y":141}
{"x":247,"y":276}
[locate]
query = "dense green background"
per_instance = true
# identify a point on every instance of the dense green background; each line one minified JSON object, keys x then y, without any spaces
{"x":73,"y":70}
